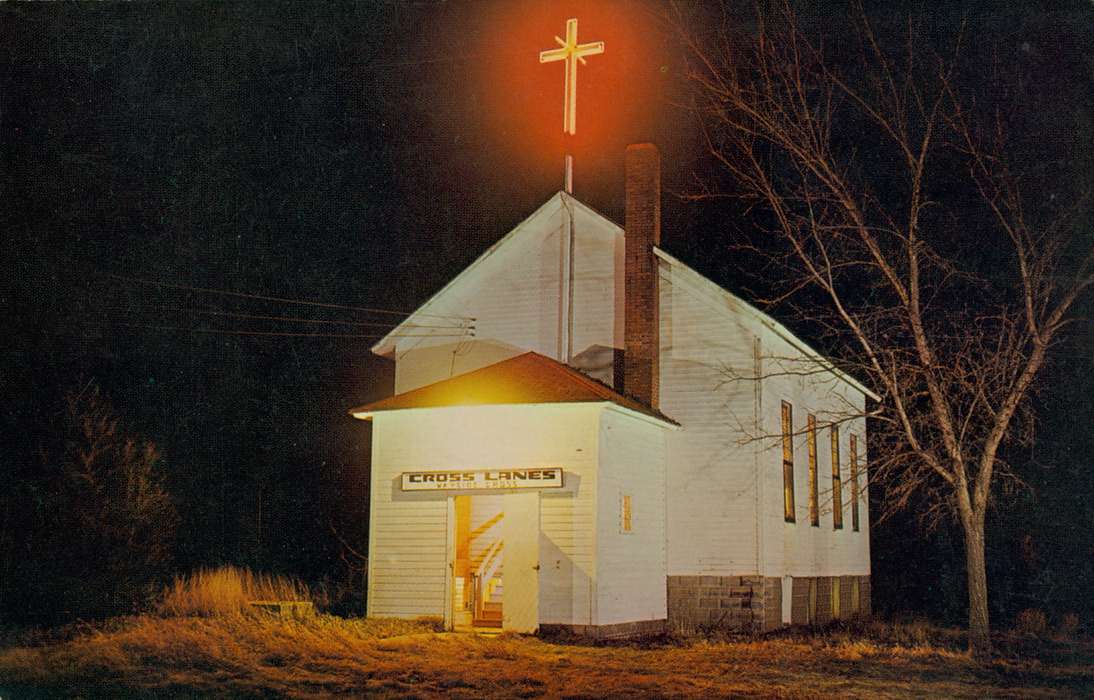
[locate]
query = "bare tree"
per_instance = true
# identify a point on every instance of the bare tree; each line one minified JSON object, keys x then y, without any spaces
{"x":94,"y":522}
{"x":118,"y":480}
{"x":872,"y":174}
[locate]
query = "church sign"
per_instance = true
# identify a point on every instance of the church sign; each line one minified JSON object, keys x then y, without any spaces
{"x":503,"y":478}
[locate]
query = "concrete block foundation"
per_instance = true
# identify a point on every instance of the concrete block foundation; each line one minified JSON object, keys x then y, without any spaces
{"x":751,"y":603}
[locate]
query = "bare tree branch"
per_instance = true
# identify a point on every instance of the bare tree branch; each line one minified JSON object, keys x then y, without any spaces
{"x":953,"y":349}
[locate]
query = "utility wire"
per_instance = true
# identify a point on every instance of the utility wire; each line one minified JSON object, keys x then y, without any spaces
{"x":207,"y":290}
{"x":294,"y":319}
{"x":226,"y":331}
{"x":378,"y":66}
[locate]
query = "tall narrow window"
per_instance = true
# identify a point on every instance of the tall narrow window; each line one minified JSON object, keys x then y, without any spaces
{"x":854,"y":482}
{"x":788,"y":463}
{"x":814,"y":510}
{"x":625,"y":514}
{"x":837,"y":486}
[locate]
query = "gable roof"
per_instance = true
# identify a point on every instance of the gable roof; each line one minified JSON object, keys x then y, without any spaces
{"x":699,"y":282}
{"x":530,"y":378}
{"x":548,"y":208}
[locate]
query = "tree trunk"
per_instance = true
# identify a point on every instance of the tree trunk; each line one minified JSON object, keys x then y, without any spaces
{"x":979,"y":639}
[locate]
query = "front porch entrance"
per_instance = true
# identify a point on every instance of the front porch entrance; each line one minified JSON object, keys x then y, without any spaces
{"x":494,"y":559}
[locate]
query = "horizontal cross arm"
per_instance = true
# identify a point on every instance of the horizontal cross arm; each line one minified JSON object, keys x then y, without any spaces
{"x":590,"y":49}
{"x":553,"y":55}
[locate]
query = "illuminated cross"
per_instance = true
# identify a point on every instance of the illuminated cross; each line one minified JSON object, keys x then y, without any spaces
{"x":571,"y":52}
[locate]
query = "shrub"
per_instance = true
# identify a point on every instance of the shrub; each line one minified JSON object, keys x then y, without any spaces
{"x":913,"y":632}
{"x":227,"y":590}
{"x":91,"y":528}
{"x":1031,"y":621}
{"x":905,"y":630}
{"x":908,"y":630}
{"x":430,"y":622}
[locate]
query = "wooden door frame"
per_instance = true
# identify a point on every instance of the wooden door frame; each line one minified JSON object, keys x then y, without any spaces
{"x":450,"y":563}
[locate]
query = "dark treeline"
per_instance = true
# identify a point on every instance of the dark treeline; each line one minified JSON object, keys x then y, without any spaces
{"x":309,"y":151}
{"x":193,"y":144}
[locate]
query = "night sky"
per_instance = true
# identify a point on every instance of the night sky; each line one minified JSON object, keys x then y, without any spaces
{"x":357,"y":155}
{"x":353,"y":154}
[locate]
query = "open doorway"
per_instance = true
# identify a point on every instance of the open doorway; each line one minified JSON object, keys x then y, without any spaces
{"x":495,"y":582}
{"x":478,"y":568}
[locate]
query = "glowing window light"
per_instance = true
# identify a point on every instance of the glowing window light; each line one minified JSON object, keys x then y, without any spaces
{"x":571,"y":52}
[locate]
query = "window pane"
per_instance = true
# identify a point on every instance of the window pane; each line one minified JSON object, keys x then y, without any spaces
{"x":837,"y":487}
{"x":854,"y":483}
{"x":788,"y":462}
{"x":814,"y":510}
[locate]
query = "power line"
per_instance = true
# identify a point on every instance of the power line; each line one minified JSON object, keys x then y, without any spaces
{"x":377,"y":66}
{"x":295,"y":319}
{"x":227,"y":331}
{"x":207,"y":290}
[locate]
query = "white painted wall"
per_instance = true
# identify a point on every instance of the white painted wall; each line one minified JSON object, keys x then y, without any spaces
{"x":631,"y":566}
{"x":798,"y":548}
{"x":424,"y":365}
{"x":725,"y":466}
{"x":711,"y":478}
{"x":407,"y":534}
{"x":407,"y":563}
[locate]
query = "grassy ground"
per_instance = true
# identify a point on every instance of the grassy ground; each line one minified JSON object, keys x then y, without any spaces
{"x":264,"y":656}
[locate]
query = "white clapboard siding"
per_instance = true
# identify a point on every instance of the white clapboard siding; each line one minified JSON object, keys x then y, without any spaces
{"x":800,"y":549}
{"x":408,"y":566}
{"x":711,"y":475}
{"x":711,"y":337}
{"x":515,"y":292}
{"x":631,"y":565}
{"x":568,"y":546}
{"x":407,"y":547}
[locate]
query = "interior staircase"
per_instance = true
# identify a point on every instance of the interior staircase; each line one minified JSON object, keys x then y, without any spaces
{"x":488,"y":613}
{"x":487,"y":590}
{"x":480,"y":544}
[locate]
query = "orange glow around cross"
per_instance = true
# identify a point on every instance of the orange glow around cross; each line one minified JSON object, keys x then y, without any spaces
{"x":625,"y":92}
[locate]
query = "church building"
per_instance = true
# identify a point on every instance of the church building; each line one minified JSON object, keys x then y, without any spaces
{"x":617,"y":447}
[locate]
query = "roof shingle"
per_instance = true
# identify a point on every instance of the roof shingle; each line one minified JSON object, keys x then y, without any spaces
{"x":530,"y":378}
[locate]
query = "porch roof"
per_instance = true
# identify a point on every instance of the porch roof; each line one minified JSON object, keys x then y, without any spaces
{"x":530,"y":378}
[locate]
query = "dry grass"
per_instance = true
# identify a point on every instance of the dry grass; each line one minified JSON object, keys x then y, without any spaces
{"x":237,"y":655}
{"x":227,"y":590}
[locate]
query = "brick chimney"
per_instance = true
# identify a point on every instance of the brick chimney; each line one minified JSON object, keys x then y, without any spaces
{"x":641,"y":320}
